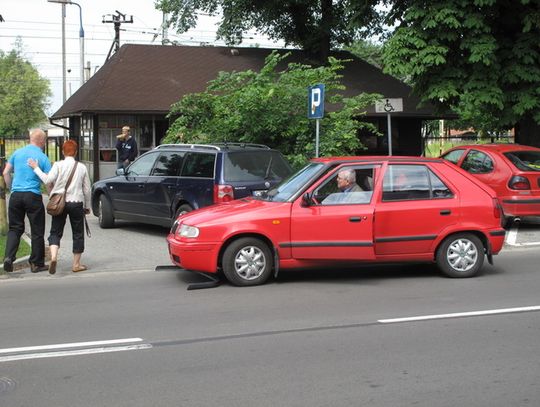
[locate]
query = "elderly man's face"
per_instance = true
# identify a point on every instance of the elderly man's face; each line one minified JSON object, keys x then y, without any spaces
{"x":342,"y":181}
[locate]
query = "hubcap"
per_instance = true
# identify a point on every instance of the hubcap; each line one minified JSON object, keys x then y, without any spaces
{"x":250,"y":263}
{"x":462,"y":255}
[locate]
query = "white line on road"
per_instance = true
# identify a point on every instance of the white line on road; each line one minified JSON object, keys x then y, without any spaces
{"x":77,"y":352}
{"x":461,"y":314}
{"x":511,"y":236}
{"x":70,"y":345}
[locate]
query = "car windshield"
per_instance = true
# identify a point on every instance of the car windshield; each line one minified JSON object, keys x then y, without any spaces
{"x":244,"y":166}
{"x":525,"y":160}
{"x":288,"y":188}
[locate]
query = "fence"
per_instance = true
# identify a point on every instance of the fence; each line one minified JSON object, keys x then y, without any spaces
{"x":53,"y":147}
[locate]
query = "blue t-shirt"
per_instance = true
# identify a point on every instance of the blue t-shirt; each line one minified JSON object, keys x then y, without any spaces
{"x":24,"y":178}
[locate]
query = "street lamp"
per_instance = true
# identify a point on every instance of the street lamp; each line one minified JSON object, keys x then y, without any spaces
{"x":81,"y":40}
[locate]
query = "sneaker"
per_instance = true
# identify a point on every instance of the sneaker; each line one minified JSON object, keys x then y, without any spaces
{"x":8,"y":265}
{"x":34,"y":268}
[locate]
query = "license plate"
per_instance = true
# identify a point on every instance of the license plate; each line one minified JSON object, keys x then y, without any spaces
{"x":260,"y":192}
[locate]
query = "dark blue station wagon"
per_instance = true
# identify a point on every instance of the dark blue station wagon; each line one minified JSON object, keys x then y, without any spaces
{"x":177,"y":178}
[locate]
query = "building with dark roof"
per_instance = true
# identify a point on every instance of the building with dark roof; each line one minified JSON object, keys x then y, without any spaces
{"x":137,"y":86}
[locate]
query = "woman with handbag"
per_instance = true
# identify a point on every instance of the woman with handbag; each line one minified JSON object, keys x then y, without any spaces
{"x":70,"y":178}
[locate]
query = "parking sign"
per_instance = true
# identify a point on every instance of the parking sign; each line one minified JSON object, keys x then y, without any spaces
{"x":316,"y":101}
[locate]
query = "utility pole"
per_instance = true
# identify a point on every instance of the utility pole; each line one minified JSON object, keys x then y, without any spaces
{"x":117,"y":19}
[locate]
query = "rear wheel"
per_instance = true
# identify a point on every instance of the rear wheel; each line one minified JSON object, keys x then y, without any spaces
{"x":105,"y":214}
{"x":185,"y":208}
{"x":247,"y":261}
{"x":460,"y":255}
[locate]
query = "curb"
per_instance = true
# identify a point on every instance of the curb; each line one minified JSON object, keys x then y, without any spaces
{"x":21,"y":262}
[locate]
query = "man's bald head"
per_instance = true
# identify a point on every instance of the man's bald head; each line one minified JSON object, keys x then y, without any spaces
{"x":38,"y":137}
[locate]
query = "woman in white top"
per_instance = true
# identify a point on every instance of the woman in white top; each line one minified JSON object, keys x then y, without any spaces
{"x":77,"y":202}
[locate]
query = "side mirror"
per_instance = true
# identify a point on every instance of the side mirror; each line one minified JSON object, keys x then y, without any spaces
{"x":120,"y":171}
{"x":306,"y":200}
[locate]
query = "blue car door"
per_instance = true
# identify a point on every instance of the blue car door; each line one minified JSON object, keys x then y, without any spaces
{"x":162,"y":185}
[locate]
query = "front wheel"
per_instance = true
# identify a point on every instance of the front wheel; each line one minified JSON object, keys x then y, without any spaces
{"x":247,"y":261}
{"x":460,"y":255}
{"x":105,"y":213}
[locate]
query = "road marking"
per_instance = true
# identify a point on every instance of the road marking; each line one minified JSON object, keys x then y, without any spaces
{"x":70,"y":345}
{"x":461,"y":314}
{"x":85,"y":349}
{"x":511,"y":236}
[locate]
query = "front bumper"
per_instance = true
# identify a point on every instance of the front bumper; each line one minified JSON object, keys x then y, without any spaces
{"x":193,"y":255}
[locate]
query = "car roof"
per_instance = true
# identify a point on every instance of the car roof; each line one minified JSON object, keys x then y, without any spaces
{"x":501,"y":148}
{"x":371,"y":158}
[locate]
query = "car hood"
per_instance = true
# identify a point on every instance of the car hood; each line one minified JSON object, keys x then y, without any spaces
{"x":228,"y":212}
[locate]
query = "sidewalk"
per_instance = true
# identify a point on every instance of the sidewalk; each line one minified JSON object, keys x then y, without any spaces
{"x":127,"y":247}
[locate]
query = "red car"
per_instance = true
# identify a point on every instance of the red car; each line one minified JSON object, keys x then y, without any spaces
{"x":393,"y":209}
{"x":512,"y":170}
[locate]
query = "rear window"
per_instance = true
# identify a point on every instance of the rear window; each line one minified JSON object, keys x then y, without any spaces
{"x":245,"y":166}
{"x":525,"y":160}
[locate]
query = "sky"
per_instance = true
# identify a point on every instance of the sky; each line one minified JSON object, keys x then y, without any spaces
{"x":39,"y":25}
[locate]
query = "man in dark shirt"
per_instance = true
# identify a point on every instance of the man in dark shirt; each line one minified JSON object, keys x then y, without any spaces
{"x":127,"y":148}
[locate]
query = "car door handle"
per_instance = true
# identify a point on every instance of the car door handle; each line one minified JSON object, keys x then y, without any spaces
{"x":446,"y":212}
{"x":355,"y":219}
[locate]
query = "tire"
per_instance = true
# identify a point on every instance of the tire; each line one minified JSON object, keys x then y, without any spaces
{"x":247,"y":261}
{"x":185,"y":208}
{"x":460,"y":255}
{"x":105,"y":213}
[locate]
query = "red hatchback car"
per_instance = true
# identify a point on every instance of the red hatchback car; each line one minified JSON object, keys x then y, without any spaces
{"x":512,"y":170}
{"x":392,"y":209}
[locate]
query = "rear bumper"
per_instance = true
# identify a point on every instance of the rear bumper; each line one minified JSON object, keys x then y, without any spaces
{"x":195,"y":256}
{"x":496,"y":240}
{"x":526,"y":206}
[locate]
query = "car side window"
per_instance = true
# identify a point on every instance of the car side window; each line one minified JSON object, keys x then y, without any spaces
{"x":408,"y":182}
{"x":199,"y":165}
{"x":142,"y":166}
{"x":360,"y":191}
{"x":453,"y":156}
{"x":477,"y":162}
{"x":168,"y":164}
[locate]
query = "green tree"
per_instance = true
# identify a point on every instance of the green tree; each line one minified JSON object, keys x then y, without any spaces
{"x":270,"y":107}
{"x":314,"y":26}
{"x":369,"y":51}
{"x":480,"y":58}
{"x":23,"y":93}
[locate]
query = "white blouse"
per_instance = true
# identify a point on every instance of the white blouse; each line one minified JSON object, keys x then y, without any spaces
{"x":79,"y":188}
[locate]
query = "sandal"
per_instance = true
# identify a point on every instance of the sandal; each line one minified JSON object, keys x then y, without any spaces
{"x":52,"y":267}
{"x":80,"y":268}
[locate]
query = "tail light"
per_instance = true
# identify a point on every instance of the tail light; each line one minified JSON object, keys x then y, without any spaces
{"x":519,"y":182}
{"x":223,"y":193}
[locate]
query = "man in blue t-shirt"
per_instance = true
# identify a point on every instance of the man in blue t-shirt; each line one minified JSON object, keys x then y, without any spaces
{"x":26,"y":200}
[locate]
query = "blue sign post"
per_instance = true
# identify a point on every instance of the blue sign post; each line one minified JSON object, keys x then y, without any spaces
{"x":316,"y":109}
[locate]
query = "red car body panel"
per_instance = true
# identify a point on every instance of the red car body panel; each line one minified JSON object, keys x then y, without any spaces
{"x":377,"y":231}
{"x":515,"y":203}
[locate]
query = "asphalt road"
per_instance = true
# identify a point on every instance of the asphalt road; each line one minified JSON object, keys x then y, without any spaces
{"x":312,"y":338}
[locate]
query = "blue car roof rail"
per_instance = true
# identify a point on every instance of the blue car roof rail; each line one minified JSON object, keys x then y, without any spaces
{"x":191,"y":146}
{"x":216,"y":146}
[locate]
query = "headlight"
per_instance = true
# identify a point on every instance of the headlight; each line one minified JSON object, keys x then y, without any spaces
{"x":188,"y":231}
